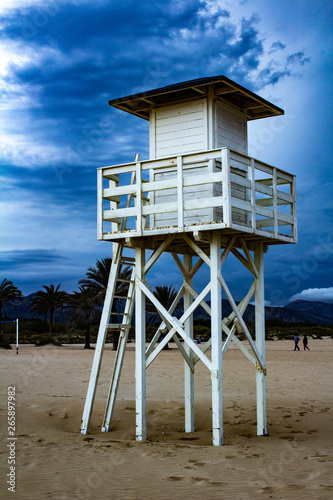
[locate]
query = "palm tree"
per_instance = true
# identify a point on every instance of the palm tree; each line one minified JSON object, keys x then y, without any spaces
{"x":9,"y":294}
{"x":49,"y":302}
{"x":83,"y":305}
{"x":165,"y":295}
{"x":96,"y":281}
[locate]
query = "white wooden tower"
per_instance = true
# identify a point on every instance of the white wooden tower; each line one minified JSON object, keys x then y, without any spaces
{"x":199,"y":197}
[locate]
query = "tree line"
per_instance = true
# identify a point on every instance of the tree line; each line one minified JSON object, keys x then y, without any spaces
{"x":82,"y":305}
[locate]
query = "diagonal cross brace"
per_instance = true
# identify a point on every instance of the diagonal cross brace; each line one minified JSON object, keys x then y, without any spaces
{"x":158,"y":252}
{"x":261,"y":366}
{"x":163,"y":325}
{"x":171,"y":333}
{"x":175,"y":323}
{"x":250,"y":260}
{"x":242,"y":307}
{"x":197,"y":249}
{"x":225,"y":322}
{"x":167,"y":338}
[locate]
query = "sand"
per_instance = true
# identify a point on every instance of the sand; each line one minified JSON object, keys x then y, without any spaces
{"x":54,"y":461}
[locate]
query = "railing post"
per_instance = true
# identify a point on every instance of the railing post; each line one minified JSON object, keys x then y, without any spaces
{"x":294,"y":209}
{"x":113,"y":204}
{"x":275,"y":204}
{"x":180,"y":193}
{"x":253,"y":195}
{"x":99,"y":204}
{"x":138,"y":198}
{"x":226,"y":187}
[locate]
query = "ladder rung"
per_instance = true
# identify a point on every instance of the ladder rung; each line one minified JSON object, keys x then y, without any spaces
{"x":125,"y":281}
{"x":116,"y":313}
{"x":142,"y":197}
{"x":127,"y":263}
{"x":132,"y":259}
{"x":112,"y":177}
{"x":117,"y":326}
{"x":115,"y":198}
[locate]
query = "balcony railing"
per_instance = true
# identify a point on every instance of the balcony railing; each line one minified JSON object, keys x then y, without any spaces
{"x":216,"y":189}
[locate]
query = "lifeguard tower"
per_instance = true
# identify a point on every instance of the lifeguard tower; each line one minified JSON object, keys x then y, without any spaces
{"x":199,"y":197}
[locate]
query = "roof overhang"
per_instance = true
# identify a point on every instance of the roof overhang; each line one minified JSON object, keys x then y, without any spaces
{"x":224,"y":89}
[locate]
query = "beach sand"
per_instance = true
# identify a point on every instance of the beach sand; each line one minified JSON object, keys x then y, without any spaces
{"x":53,"y":460}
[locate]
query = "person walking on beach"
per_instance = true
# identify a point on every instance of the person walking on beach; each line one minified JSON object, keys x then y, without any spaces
{"x":305,"y":343}
{"x":296,"y":340}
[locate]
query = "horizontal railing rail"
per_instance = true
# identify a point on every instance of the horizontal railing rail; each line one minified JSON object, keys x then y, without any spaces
{"x":216,"y":188}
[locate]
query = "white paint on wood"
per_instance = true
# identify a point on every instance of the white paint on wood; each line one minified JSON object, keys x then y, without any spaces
{"x":174,"y":324}
{"x":226,"y":187}
{"x":119,"y":359}
{"x":103,"y":327}
{"x":140,"y":347}
{"x":231,"y":128}
{"x":216,"y":336}
{"x":260,"y":339}
{"x":193,"y":198}
{"x":180,"y":128}
{"x":180,"y":193}
{"x":99,"y":204}
{"x":188,"y":375}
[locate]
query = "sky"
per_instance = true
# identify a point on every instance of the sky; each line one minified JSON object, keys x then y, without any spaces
{"x":60,"y":63}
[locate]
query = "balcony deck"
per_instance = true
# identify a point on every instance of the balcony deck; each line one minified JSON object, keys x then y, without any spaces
{"x":197,"y":193}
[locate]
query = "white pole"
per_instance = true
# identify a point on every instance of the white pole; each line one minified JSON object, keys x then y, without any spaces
{"x":17,"y":335}
{"x":260,"y":339}
{"x":140,"y":347}
{"x":188,"y":375}
{"x":216,"y":336}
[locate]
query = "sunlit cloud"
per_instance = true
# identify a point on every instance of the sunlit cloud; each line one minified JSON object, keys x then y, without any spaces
{"x":314,"y":294}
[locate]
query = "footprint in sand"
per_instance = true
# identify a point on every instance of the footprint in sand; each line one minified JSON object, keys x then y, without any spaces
{"x":177,"y":478}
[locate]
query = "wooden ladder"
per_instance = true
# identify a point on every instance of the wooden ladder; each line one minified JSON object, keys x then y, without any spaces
{"x":124,"y":331}
{"x":119,"y":260}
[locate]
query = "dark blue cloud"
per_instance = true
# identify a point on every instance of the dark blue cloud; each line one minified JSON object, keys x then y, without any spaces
{"x":21,"y":258}
{"x":298,"y":58}
{"x":82,"y":55}
{"x":277,"y":46}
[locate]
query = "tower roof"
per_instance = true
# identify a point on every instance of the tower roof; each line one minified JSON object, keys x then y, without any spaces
{"x":225,"y":89}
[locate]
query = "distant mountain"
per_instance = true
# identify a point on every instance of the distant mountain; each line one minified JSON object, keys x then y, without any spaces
{"x":298,"y":311}
{"x":323,"y":309}
{"x":21,"y":309}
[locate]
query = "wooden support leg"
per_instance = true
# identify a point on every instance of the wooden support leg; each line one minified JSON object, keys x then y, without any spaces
{"x":216,"y":336}
{"x":260,"y":339}
{"x":189,"y":376}
{"x":140,"y":345}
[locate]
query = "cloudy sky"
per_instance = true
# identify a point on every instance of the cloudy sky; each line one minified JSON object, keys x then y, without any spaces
{"x":60,"y":63}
